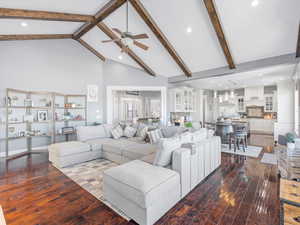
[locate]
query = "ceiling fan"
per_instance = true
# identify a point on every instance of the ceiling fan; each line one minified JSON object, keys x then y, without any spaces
{"x":128,"y":38}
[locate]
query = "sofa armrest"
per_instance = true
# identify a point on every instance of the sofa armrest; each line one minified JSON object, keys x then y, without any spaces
{"x":181,"y":163}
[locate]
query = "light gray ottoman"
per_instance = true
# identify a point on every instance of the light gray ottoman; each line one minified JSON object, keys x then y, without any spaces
{"x":68,"y":153}
{"x":142,"y":191}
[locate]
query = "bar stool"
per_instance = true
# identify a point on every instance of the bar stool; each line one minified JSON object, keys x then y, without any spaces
{"x":240,"y":137}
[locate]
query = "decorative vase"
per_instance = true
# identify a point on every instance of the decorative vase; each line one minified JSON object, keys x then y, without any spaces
{"x":290,"y":145}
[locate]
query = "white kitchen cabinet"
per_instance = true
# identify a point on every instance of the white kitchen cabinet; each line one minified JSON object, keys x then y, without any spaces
{"x":261,"y":125}
{"x":182,"y":99}
{"x":241,"y":104}
{"x":254,"y":93}
{"x":271,"y":102}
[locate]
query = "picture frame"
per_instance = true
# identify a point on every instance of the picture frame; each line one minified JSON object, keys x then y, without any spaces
{"x":42,"y":115}
{"x":92,"y":95}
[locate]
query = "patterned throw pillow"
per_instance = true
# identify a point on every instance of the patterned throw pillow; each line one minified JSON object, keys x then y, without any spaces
{"x":129,"y":131}
{"x":117,"y":132}
{"x":155,"y":136}
{"x":143,"y":132}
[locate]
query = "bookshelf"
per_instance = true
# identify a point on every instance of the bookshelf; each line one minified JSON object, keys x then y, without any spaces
{"x":24,"y":110}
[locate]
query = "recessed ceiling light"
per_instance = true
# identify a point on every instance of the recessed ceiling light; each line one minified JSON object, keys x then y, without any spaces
{"x":120,"y":57}
{"x":255,"y":3}
{"x":24,"y":24}
{"x":189,"y":30}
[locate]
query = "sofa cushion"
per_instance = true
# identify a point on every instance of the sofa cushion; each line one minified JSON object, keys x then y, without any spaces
{"x":117,"y":132}
{"x":141,"y":182}
{"x":116,"y":146}
{"x":139,"y":140}
{"x":155,"y":136}
{"x":148,"y":158}
{"x":108,"y":128}
{"x":199,"y":135}
{"x":90,"y":132}
{"x":166,"y":146}
{"x":97,"y":144}
{"x":68,"y":148}
{"x":186,"y":137}
{"x":129,"y":132}
{"x":137,"y":151}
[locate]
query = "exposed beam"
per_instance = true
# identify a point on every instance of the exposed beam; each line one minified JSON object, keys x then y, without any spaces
{"x":160,"y":35}
{"x":112,"y":35}
{"x":242,"y":67}
{"x":298,"y":44}
{"x":43,"y":15}
{"x":91,"y":49}
{"x":219,"y":31}
{"x":106,"y":10}
{"x":20,"y":37}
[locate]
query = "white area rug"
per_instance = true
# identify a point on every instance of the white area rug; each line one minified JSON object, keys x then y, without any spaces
{"x":251,"y":151}
{"x":89,"y":176}
{"x":269,"y":158}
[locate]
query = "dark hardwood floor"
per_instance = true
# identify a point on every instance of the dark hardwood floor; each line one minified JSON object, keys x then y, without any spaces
{"x":242,"y":191}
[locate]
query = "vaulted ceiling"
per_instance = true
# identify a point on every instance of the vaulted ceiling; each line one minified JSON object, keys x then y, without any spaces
{"x":192,"y":35}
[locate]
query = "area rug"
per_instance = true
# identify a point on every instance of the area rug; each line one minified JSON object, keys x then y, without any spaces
{"x":251,"y":151}
{"x":269,"y":158}
{"x":89,"y":176}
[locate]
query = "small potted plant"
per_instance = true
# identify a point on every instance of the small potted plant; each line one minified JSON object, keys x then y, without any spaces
{"x":290,"y":141}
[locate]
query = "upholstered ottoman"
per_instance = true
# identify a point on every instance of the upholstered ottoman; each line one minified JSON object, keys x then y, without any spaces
{"x":69,"y":153}
{"x":142,"y":191}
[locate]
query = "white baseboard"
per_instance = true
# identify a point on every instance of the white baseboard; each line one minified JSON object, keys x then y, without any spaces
{"x":18,"y":151}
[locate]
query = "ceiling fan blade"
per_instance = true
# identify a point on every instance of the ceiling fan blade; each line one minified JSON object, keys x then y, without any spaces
{"x":139,"y":36}
{"x":106,"y":41}
{"x":117,"y":31}
{"x":139,"y":44}
{"x":124,"y":49}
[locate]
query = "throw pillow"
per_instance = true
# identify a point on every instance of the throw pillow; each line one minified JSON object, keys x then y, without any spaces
{"x":199,"y":135}
{"x":166,"y":146}
{"x":142,"y":131}
{"x":186,"y":137}
{"x":117,"y":132}
{"x":129,"y":131}
{"x":155,"y":136}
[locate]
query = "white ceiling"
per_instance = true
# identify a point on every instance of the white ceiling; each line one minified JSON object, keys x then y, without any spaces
{"x":268,"y":29}
{"x":260,"y":77}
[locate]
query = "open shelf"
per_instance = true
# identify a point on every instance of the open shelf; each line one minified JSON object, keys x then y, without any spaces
{"x":53,"y":111}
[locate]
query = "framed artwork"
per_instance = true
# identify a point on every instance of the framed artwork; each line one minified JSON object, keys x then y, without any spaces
{"x":92,"y":95}
{"x":42,"y":115}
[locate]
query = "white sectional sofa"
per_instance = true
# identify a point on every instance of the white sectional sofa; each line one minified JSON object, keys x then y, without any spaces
{"x":151,"y":178}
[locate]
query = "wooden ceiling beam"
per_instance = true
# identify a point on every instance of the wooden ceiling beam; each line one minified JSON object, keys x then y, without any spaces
{"x":20,"y":37}
{"x":106,"y":10}
{"x":141,"y":10}
{"x":91,"y":49}
{"x":298,"y":44}
{"x":219,"y":31}
{"x":112,"y":35}
{"x":43,"y":15}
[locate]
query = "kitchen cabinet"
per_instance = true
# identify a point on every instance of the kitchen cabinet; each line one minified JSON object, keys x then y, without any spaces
{"x":261,"y":125}
{"x":182,"y":99}
{"x":271,"y":102}
{"x":254,"y":93}
{"x":241,"y":104}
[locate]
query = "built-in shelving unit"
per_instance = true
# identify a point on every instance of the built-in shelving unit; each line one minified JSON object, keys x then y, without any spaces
{"x":19,"y":110}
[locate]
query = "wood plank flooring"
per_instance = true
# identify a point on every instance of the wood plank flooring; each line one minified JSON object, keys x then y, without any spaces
{"x":241,"y":192}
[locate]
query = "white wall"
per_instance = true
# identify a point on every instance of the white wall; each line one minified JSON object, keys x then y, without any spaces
{"x":50,"y":65}
{"x":285,"y":113}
